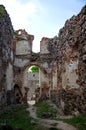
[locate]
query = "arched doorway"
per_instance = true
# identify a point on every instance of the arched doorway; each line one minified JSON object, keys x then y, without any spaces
{"x":17,"y":94}
{"x":32,"y":81}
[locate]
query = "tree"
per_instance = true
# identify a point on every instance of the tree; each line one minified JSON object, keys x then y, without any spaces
{"x":34,"y":69}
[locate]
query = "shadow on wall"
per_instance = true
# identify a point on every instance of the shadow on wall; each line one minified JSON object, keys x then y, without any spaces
{"x":17,"y":94}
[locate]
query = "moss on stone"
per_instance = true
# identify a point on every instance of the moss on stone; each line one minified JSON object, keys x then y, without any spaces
{"x":2,"y":10}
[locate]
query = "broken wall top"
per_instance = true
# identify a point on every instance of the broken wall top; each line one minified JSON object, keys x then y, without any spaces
{"x":23,"y":35}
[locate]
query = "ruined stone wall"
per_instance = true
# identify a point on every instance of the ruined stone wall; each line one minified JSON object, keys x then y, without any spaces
{"x":22,"y":61}
{"x":22,"y":57}
{"x":70,"y":48}
{"x":6,"y":57}
{"x":46,"y":63}
{"x":62,"y":62}
{"x":33,"y":84}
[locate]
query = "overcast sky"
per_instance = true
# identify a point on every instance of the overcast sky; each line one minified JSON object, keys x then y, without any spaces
{"x":41,"y":18}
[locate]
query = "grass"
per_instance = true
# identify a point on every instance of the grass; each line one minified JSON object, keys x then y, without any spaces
{"x":17,"y":117}
{"x":79,"y":122}
{"x":44,"y":107}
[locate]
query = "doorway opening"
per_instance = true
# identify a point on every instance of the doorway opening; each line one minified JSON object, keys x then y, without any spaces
{"x":33,"y":82}
{"x":18,"y":94}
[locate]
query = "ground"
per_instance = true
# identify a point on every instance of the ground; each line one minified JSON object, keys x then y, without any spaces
{"x":50,"y":123}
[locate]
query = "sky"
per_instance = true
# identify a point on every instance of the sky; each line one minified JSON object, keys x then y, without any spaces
{"x":41,"y":18}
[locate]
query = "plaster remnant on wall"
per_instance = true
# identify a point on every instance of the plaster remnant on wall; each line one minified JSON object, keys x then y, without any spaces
{"x":73,"y":65}
{"x":45,"y":65}
{"x":43,"y":45}
{"x":9,"y":77}
{"x":20,"y":62}
{"x":23,"y":48}
{"x":33,"y":76}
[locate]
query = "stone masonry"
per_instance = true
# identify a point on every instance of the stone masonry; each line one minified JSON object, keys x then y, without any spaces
{"x":62,"y":63}
{"x":70,"y":48}
{"x":6,"y":57}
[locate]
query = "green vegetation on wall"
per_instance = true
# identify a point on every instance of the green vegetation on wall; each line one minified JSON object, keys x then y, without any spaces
{"x":2,"y":10}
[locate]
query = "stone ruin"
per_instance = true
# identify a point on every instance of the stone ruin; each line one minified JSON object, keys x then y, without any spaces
{"x":62,"y":63}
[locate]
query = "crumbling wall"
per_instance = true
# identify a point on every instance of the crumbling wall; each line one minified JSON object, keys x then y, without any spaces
{"x":71,"y":65}
{"x":46,"y":74}
{"x":62,"y":62}
{"x":6,"y":57}
{"x":22,"y":61}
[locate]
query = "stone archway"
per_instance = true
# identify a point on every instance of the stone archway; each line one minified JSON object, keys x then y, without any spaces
{"x":24,"y":58}
{"x":31,"y":81}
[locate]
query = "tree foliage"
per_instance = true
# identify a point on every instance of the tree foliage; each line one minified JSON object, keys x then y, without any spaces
{"x":34,"y":69}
